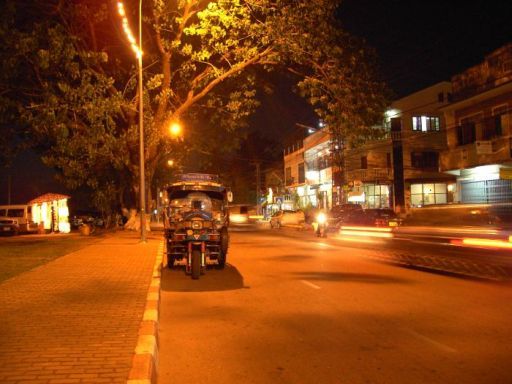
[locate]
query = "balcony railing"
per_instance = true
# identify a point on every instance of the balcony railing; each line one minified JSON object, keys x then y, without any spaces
{"x":370,"y":174}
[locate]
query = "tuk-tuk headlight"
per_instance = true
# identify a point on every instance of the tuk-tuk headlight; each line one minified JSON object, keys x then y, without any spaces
{"x":197,"y":224}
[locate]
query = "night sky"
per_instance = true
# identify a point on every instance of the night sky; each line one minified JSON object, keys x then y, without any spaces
{"x":419,"y":43}
{"x":423,"y":42}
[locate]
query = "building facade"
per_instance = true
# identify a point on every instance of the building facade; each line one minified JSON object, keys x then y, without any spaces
{"x":308,"y":171}
{"x":401,"y":170}
{"x":479,"y":134}
{"x":318,"y":169}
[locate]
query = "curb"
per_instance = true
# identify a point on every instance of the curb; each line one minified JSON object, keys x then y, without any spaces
{"x":144,"y":368}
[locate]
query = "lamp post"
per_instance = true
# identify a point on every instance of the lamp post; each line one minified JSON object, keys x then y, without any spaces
{"x":138,"y":52}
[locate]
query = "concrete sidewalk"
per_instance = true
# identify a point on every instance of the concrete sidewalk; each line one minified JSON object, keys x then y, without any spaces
{"x":78,"y":319}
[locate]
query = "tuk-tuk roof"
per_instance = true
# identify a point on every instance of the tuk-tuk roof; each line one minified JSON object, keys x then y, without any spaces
{"x":202,"y":182}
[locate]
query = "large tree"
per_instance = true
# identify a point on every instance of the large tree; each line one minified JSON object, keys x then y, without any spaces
{"x":72,"y":77}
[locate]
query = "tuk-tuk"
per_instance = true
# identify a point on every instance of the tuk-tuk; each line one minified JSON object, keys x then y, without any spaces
{"x":196,"y":220}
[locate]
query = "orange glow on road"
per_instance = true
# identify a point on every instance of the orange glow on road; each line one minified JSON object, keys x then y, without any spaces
{"x":363,"y":228}
{"x":383,"y":234}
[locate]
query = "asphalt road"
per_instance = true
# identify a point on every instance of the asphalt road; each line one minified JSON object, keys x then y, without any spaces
{"x":291,"y":308}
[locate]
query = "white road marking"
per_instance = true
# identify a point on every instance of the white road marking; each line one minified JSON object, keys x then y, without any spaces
{"x":430,"y":341}
{"x":314,"y":286}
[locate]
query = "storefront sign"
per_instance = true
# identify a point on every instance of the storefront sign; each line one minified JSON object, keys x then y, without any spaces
{"x":506,"y":173}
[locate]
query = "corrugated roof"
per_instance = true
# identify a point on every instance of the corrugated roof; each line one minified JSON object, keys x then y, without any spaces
{"x":47,"y":197}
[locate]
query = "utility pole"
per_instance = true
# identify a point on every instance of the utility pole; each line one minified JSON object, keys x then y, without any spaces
{"x":9,"y":188}
{"x":398,"y":166}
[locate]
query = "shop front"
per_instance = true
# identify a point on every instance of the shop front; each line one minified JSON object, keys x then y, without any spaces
{"x":50,"y":211}
{"x":376,"y":195}
{"x":422,"y":194}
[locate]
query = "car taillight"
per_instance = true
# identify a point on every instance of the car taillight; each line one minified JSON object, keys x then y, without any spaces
{"x":380,"y":222}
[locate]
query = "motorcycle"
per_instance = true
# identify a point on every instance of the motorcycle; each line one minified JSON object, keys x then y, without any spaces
{"x":321,"y":225}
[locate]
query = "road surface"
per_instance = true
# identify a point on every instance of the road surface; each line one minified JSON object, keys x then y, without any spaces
{"x":291,"y":308}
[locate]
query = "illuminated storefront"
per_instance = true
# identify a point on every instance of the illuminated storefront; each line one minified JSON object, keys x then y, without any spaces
{"x":430,"y":193}
{"x":51,"y":212}
{"x":376,"y":196}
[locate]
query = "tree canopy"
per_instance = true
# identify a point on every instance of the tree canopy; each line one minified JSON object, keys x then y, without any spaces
{"x":69,"y":86}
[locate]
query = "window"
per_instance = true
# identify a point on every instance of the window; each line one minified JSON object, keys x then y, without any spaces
{"x":364,"y":162}
{"x":15,"y":212}
{"x":288,"y":176}
{"x":426,"y":194}
{"x":426,"y":123}
{"x":466,"y":132}
{"x":324,"y":162}
{"x":422,"y":160}
{"x":377,"y":196}
{"x":302,"y":174}
{"x":499,"y":119}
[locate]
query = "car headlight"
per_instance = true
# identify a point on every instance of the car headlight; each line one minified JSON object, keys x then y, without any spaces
{"x":321,"y":218}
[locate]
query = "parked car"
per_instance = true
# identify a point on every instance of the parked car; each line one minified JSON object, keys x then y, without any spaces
{"x":16,"y":219}
{"x":8,"y":227}
{"x":86,"y":217}
{"x":287,"y":218}
{"x":378,"y":217}
{"x":340,"y":213}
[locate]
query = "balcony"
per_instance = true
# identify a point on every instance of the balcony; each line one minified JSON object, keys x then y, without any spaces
{"x":370,"y":174}
{"x":477,"y":153}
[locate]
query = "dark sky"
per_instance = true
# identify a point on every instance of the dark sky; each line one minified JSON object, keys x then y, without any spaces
{"x":423,"y":42}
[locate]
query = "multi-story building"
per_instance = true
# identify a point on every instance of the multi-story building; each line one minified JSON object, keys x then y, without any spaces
{"x":295,"y":175}
{"x":402,"y":169}
{"x":318,"y":170}
{"x":308,"y":171}
{"x":479,"y":133}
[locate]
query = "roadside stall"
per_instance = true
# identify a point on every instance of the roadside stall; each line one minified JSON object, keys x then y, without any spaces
{"x":50,"y":211}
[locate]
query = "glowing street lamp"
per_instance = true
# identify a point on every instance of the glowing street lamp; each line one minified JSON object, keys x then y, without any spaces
{"x":138,"y":53}
{"x":170,"y":163}
{"x":175,"y":129}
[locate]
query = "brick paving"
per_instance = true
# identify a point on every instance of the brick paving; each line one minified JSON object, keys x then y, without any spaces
{"x":76,"y":319}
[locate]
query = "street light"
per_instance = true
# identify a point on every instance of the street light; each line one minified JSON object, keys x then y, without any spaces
{"x":138,"y":52}
{"x":175,"y":129}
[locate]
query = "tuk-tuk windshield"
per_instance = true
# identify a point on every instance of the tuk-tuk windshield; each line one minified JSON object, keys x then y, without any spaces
{"x":195,"y":201}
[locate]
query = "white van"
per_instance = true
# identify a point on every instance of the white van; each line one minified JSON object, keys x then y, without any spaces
{"x":16,"y":219}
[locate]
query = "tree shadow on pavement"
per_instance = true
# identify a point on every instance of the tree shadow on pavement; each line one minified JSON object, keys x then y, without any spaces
{"x":175,"y":280}
{"x":350,"y":277}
